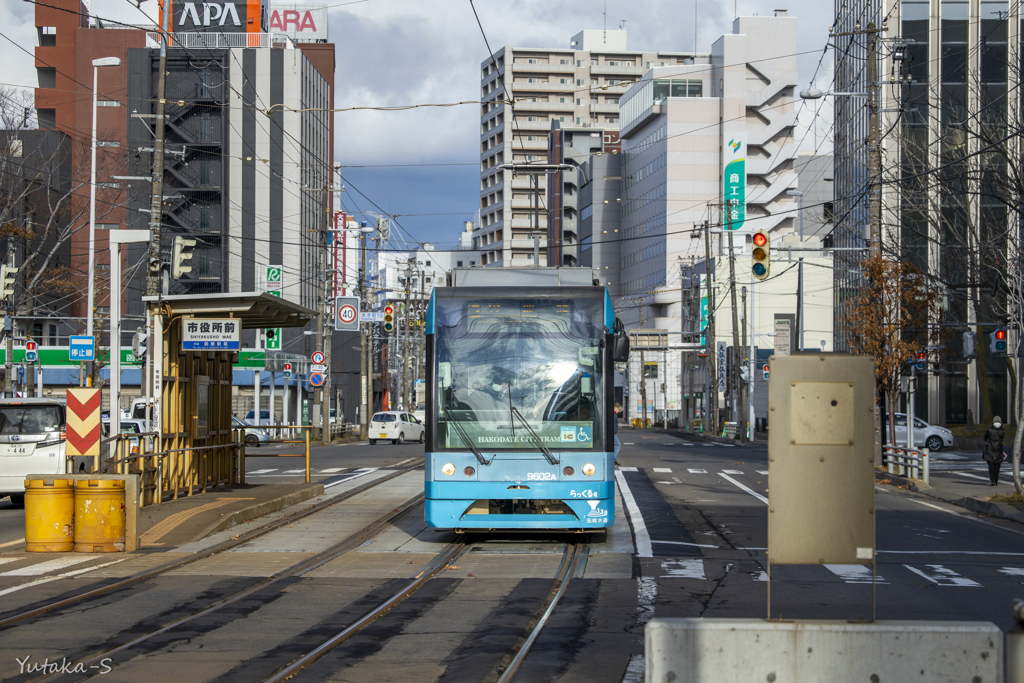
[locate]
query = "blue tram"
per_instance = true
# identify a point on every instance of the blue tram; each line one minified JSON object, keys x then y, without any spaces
{"x":519,"y":415}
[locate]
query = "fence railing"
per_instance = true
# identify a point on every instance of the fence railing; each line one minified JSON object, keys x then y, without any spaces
{"x":282,"y":434}
{"x":906,"y":462}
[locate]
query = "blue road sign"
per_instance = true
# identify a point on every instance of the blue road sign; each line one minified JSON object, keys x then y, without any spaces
{"x":80,"y":348}
{"x":316,"y":379}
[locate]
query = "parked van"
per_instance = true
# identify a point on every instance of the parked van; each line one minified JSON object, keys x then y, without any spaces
{"x":31,"y":442}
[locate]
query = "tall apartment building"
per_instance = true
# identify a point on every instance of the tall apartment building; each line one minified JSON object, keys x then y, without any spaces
{"x":949,"y":92}
{"x":578,"y":86}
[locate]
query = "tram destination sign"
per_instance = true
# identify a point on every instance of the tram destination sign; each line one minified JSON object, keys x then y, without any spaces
{"x":205,"y":334}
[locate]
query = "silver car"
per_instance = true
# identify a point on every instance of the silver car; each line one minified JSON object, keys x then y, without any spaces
{"x":254,"y":436}
{"x":928,"y":436}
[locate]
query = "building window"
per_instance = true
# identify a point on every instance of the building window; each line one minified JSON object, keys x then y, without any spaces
{"x":458,"y":264}
{"x":428,"y":264}
{"x":828,"y":209}
{"x":532,"y":61}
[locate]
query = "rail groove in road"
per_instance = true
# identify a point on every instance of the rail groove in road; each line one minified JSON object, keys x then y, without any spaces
{"x":449,"y":554}
{"x":298,"y":569}
{"x":571,"y":567}
{"x":203,"y":554}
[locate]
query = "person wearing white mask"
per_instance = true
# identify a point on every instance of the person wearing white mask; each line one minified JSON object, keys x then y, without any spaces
{"x":993,"y":452}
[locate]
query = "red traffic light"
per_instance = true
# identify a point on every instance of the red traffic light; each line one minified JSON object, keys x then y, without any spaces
{"x":389,"y":309}
{"x":1001,"y":335}
{"x":760,"y":239}
{"x":920,"y":355}
{"x":287,"y":366}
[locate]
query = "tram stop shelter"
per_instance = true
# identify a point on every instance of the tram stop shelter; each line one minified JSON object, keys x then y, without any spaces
{"x":196,"y":445}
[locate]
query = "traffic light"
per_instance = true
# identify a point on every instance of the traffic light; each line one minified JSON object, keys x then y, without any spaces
{"x":765,"y":370}
{"x":179,"y":256}
{"x":7,"y":277}
{"x":761,"y":255}
{"x":970,"y":349}
{"x":139,"y":345}
{"x":389,"y":318}
{"x":997,"y":341}
{"x":287,"y":370}
{"x":922,"y":360}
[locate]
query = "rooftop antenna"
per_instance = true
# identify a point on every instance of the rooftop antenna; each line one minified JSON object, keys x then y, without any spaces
{"x":604,"y":36}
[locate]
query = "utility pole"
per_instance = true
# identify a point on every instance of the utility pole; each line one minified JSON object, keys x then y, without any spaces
{"x":711,"y":399}
{"x":9,"y":333}
{"x":734,"y":375}
{"x":745,"y":390}
{"x":406,"y":345}
{"x":153,"y":287}
{"x":684,"y":316}
{"x":874,"y":147}
{"x":364,"y":418}
{"x":327,"y":326}
{"x":643,"y":368}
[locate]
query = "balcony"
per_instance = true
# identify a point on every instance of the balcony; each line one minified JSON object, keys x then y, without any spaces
{"x":549,"y":86}
{"x":523,"y":107}
{"x":522,"y":124}
{"x":604,"y":70}
{"x":605,"y":108}
{"x":523,"y":67}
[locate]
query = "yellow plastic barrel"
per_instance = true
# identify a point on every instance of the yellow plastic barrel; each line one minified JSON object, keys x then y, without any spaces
{"x":49,"y":515}
{"x":99,"y":516}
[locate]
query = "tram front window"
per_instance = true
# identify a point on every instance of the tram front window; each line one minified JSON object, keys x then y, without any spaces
{"x":505,"y":361}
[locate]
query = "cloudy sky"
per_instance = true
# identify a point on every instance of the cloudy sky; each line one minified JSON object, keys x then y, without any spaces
{"x":422,"y":164}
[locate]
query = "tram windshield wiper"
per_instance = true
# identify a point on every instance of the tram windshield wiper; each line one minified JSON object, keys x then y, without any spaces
{"x":536,"y":439}
{"x":465,"y":437}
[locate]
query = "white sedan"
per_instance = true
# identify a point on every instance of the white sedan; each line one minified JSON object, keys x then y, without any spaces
{"x":396,"y":426}
{"x":932,"y":437}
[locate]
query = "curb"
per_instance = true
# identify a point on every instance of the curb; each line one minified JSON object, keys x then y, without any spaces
{"x":985,"y":507}
{"x":261,"y":509}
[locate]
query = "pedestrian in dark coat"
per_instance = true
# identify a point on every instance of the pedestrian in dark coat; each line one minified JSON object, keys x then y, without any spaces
{"x":993,"y":452}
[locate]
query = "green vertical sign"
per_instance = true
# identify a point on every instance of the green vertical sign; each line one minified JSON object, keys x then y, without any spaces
{"x":273,"y":283}
{"x":305,"y":411}
{"x":734,"y":189}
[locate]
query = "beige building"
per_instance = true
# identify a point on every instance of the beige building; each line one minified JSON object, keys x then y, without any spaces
{"x":579,"y":86}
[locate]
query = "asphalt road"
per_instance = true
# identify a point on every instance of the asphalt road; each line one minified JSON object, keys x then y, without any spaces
{"x":689,"y":541}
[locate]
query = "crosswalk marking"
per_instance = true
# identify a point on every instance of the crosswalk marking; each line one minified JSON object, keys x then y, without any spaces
{"x":662,"y":469}
{"x":47,"y":566}
{"x":295,"y":471}
{"x":263,"y":471}
{"x":733,"y":471}
{"x":683,"y":569}
{"x":627,"y":469}
{"x":629,"y":443}
{"x":697,"y":471}
{"x":941,"y":576}
{"x":333,"y":470}
{"x":853,"y":573}
{"x":728,"y":445}
{"x":1012,"y":571}
{"x":764,"y":472}
{"x":685,"y":444}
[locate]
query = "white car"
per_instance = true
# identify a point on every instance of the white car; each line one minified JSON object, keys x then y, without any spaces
{"x":395,"y":425}
{"x":31,"y":442}
{"x":925,"y":435}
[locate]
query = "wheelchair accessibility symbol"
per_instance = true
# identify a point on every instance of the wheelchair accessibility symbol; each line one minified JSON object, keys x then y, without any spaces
{"x":583,"y":434}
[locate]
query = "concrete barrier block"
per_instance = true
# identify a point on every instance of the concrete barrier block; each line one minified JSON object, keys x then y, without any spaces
{"x":806,"y":651}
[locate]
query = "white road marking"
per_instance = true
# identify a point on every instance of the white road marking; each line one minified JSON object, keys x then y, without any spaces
{"x":399,"y":464}
{"x":333,"y":470}
{"x":4,"y":545}
{"x":1012,"y":571}
{"x":941,"y":576}
{"x":302,"y":471}
{"x":662,"y":469}
{"x":627,"y":469}
{"x":695,"y":545}
{"x":755,"y":494}
{"x":683,"y":569}
{"x":953,"y":512}
{"x":853,"y":573}
{"x":760,"y":576}
{"x":634,"y":669}
{"x":48,"y":579}
{"x":643,"y":539}
{"x":355,"y":475}
{"x":262,"y":471}
{"x":733,"y":471}
{"x":47,"y":566}
{"x":697,"y":471}
{"x":668,"y":444}
{"x":629,"y":443}
{"x":728,"y":445}
{"x":5,"y":560}
{"x":764,"y":472}
{"x":685,"y":444}
{"x":950,"y":552}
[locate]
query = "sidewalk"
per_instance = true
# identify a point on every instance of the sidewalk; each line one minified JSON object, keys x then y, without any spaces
{"x":967,"y":490}
{"x":190,"y":518}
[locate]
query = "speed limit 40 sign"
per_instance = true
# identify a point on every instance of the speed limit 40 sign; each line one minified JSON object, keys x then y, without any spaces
{"x":346,"y":313}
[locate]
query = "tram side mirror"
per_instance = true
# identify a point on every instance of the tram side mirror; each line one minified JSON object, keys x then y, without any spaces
{"x":620,"y":343}
{"x":444,"y":374}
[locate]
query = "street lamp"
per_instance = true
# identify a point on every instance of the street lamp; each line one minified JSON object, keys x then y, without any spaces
{"x":117,"y":238}
{"x":91,"y":302}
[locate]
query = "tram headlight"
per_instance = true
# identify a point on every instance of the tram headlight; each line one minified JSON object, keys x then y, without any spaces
{"x":468,"y":471}
{"x":448,"y":469}
{"x":589,"y":469}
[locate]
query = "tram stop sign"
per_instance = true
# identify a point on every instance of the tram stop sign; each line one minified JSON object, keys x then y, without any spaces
{"x":346,"y":313}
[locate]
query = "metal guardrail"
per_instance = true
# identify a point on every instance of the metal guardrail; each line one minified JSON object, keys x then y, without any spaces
{"x":906,"y":462}
{"x":281,"y":430}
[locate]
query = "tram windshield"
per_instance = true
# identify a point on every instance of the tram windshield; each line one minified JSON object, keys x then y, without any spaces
{"x":503,"y":362}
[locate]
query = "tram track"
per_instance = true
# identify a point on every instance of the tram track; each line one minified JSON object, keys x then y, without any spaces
{"x":230,"y":544}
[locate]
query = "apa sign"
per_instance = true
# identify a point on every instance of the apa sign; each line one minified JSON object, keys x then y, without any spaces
{"x":240,"y":16}
{"x":299,"y":22}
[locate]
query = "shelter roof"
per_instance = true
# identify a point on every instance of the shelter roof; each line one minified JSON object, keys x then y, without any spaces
{"x":255,"y":309}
